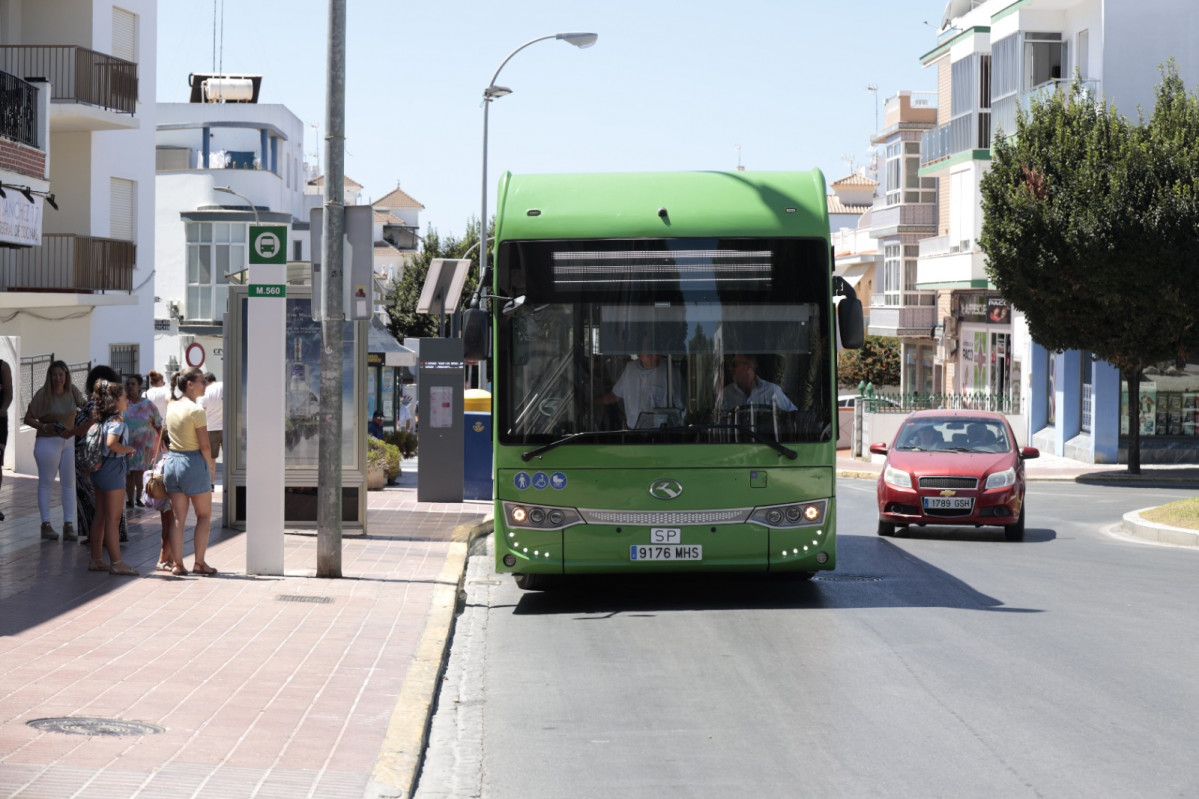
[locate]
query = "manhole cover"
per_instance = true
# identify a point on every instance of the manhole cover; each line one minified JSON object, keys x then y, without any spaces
{"x":319,"y":600}
{"x":847,"y":578}
{"x":75,"y":725}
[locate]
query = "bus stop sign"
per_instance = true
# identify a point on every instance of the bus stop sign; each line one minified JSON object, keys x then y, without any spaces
{"x":268,"y":244}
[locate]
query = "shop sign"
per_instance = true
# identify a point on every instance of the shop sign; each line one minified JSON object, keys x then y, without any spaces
{"x":21,"y":220}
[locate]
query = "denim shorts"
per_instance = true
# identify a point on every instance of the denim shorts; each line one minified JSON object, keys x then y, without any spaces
{"x":111,"y":474}
{"x":186,"y":473}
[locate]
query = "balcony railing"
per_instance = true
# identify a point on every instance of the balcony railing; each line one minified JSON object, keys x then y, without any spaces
{"x":77,"y":74}
{"x":70,"y":264}
{"x":1004,"y":109}
{"x":970,"y":131}
{"x":905,"y":215}
{"x":18,"y":110}
{"x":944,"y":245}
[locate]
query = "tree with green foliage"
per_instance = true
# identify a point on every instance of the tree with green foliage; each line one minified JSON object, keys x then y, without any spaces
{"x":876,"y":362}
{"x":1090,"y":225}
{"x":403,"y":294}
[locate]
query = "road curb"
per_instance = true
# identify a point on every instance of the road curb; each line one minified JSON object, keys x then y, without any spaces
{"x":1153,"y":532}
{"x":398,"y":764}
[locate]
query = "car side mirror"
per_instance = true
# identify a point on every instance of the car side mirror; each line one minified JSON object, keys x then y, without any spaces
{"x":1028,"y":453}
{"x":878,"y":448}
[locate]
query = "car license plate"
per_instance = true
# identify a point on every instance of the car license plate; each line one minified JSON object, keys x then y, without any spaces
{"x":948,"y":503}
{"x":666,"y":552}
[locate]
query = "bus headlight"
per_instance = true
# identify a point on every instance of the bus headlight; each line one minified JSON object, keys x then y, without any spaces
{"x":539,"y":517}
{"x":796,"y":514}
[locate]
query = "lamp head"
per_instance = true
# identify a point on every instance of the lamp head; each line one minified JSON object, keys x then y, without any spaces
{"x":580,"y":40}
{"x":28,"y":192}
{"x":3,"y":196}
{"x":496,"y":92}
{"x":50,"y":199}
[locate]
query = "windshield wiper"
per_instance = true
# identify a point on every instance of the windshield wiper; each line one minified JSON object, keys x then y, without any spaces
{"x":749,"y":431}
{"x":533,"y":453}
{"x":754,"y":434}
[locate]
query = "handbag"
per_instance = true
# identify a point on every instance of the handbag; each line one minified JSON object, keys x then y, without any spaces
{"x":156,"y":487}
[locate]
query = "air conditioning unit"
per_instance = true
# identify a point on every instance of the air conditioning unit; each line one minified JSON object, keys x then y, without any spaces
{"x":950,"y":325}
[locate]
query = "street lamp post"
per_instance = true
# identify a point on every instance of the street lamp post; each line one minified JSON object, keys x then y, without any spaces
{"x":493,"y":92}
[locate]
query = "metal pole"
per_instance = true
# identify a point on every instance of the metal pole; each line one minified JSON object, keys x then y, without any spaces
{"x":328,"y":542}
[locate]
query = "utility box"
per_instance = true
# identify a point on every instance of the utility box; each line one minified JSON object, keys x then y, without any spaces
{"x":476,"y":458}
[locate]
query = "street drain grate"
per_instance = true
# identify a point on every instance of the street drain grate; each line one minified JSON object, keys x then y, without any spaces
{"x":78,"y":725}
{"x":318,"y":600}
{"x":847,"y":578}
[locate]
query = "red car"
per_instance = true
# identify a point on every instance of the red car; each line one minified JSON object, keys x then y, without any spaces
{"x":953,"y":467}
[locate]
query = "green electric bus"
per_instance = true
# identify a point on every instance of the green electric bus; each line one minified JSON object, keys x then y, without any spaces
{"x":664,"y":395}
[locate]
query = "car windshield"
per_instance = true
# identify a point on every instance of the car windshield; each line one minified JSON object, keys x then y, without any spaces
{"x":957,"y":434}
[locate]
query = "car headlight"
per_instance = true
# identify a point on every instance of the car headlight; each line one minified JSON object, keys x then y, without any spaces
{"x":1002,"y":479}
{"x":897,"y":477}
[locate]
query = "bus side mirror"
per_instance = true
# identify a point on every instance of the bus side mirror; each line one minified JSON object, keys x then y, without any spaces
{"x":476,"y":335}
{"x":849,"y":320}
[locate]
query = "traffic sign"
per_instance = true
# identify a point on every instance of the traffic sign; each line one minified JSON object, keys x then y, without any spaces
{"x":268,"y":244}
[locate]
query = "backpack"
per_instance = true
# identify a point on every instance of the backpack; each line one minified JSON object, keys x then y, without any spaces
{"x":92,"y":454}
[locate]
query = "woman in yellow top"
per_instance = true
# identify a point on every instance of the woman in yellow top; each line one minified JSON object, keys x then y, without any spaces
{"x":52,"y":414}
{"x":189,"y":470}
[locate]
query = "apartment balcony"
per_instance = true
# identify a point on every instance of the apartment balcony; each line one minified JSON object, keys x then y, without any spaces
{"x":18,"y":111}
{"x":1004,"y":109}
{"x":965,"y":134}
{"x":905,"y":218}
{"x":907,"y":314}
{"x":90,"y":90}
{"x":948,"y":261}
{"x":69,"y":264}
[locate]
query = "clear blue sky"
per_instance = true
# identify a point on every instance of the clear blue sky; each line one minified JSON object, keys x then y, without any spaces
{"x":671,"y":84}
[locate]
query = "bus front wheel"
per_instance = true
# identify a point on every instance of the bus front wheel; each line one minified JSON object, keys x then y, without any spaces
{"x":533,"y":582}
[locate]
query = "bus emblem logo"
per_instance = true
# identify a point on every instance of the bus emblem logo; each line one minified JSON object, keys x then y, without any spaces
{"x":665,"y":489}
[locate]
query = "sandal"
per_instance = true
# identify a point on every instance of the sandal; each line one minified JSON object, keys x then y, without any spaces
{"x":179,"y":571}
{"x":204,"y":569}
{"x":163,"y":566}
{"x":122,"y":568}
{"x":97,"y":566}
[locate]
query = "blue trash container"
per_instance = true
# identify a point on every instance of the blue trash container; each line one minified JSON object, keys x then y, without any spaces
{"x":476,"y":461}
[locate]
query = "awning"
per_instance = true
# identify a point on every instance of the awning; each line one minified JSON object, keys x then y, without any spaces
{"x":853,"y":273}
{"x":381,"y":342}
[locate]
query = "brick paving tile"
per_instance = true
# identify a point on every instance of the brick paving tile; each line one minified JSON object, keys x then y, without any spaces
{"x":258,"y":694}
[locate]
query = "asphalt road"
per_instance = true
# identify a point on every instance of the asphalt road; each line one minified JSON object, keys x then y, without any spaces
{"x":948,"y":663}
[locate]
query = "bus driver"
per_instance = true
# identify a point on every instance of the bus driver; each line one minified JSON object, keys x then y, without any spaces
{"x":646,"y":384}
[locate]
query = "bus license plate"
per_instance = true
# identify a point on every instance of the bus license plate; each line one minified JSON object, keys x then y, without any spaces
{"x":949,"y":503}
{"x":666,"y":552}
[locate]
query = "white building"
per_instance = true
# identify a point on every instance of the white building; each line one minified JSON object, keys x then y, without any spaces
{"x":76,"y":282}
{"x":993,"y":57}
{"x":221,"y":138}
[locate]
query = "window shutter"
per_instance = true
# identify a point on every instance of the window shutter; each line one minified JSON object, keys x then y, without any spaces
{"x":121,"y":210}
{"x":124,"y":34}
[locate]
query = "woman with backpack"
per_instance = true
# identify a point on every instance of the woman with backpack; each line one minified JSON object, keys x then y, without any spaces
{"x":109,"y":402}
{"x":85,"y":495}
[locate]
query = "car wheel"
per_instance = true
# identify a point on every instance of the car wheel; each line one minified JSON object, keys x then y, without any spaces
{"x":1015,"y":532}
{"x":885,"y":528}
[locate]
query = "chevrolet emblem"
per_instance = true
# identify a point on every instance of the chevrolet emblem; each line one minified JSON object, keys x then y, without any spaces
{"x":948,"y":493}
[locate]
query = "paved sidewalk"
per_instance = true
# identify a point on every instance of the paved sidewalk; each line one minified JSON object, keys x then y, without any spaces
{"x":249,"y":686}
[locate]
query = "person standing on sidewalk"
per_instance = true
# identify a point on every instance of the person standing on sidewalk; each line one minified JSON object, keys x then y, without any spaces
{"x":189,"y":471}
{"x":108,"y":403}
{"x":5,"y":401}
{"x":52,"y":413}
{"x":158,"y":392}
{"x":213,"y":403}
{"x":85,"y":493}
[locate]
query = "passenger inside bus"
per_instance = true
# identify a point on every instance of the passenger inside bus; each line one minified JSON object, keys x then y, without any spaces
{"x":749,"y":389}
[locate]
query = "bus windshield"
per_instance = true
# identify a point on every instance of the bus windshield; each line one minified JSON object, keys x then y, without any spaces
{"x":695,"y":340}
